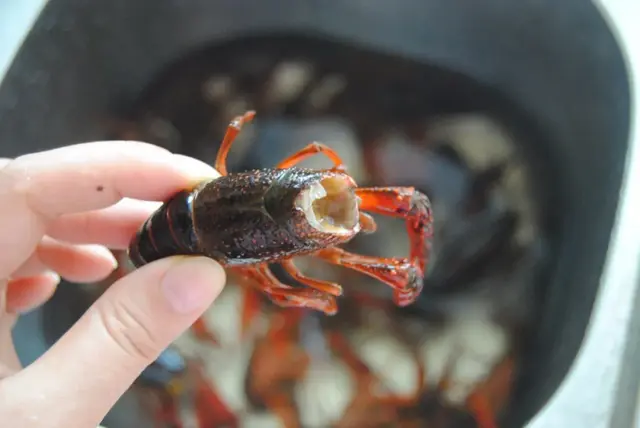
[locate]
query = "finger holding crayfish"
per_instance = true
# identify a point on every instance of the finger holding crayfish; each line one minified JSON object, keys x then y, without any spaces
{"x":248,"y":220}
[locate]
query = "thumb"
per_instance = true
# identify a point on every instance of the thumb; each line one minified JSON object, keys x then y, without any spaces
{"x":98,"y":359}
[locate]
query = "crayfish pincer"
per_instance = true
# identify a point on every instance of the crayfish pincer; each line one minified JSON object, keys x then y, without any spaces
{"x":250,"y":219}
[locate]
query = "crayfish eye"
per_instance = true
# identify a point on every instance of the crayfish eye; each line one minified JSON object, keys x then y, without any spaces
{"x":330,"y":205}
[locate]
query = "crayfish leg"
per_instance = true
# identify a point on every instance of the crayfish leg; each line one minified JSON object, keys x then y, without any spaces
{"x":251,"y":299}
{"x":202,"y":332}
{"x":289,"y":297}
{"x":277,"y":361}
{"x":479,"y":407}
{"x":210,"y":408}
{"x":367,"y":408}
{"x":311,"y":150}
{"x":323,"y":286}
{"x":304,"y":298}
{"x":286,"y":296}
{"x":407,"y":203}
{"x":251,"y":306}
{"x":233,"y":129}
{"x":340,"y":345}
{"x":492,"y":395}
{"x":284,"y":408}
{"x":399,"y":273}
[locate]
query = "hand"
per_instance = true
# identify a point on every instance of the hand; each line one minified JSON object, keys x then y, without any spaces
{"x":52,"y":205}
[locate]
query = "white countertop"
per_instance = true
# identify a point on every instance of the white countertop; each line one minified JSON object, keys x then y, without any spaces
{"x":17,"y":18}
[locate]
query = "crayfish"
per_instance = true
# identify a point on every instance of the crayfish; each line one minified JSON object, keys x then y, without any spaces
{"x":248,"y":220}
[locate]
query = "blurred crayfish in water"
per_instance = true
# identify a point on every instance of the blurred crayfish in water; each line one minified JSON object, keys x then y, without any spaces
{"x":248,"y":220}
{"x":280,"y":365}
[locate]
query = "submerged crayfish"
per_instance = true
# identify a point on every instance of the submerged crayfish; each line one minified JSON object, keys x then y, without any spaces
{"x":249,"y":219}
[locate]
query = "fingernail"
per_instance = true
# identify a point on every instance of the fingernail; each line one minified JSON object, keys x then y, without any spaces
{"x":192,"y":283}
{"x":54,"y":277}
{"x":101,"y":252}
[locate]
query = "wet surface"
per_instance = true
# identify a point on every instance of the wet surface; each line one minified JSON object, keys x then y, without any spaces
{"x":449,"y":360}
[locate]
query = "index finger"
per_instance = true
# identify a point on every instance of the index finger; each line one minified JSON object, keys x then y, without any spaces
{"x":37,"y":188}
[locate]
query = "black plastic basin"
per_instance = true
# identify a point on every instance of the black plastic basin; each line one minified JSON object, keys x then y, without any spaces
{"x":557,"y":61}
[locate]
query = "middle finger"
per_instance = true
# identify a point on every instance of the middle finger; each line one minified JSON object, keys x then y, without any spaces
{"x":112,"y":227}
{"x":75,"y":263}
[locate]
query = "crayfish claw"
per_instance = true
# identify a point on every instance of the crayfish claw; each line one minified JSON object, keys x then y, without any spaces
{"x":412,"y":289}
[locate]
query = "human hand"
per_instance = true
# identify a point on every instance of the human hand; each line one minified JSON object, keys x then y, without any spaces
{"x":51,"y":203}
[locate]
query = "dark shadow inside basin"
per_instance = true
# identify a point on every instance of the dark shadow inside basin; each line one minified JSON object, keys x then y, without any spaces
{"x":557,"y":64}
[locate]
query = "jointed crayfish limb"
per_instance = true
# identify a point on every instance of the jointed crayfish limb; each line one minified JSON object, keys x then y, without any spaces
{"x":249,"y":219}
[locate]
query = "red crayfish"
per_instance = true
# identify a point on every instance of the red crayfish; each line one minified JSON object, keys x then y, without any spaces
{"x":247,"y":220}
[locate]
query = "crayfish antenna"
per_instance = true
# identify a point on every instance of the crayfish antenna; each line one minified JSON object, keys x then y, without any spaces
{"x":233,"y":129}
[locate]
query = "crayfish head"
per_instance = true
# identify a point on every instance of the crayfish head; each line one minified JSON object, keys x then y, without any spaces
{"x":330,"y":205}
